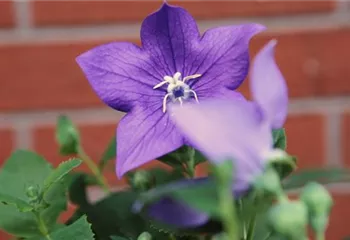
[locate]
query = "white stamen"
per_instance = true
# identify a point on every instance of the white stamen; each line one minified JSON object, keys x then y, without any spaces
{"x":169,"y":79}
{"x":177,"y":76}
{"x":191,"y":77}
{"x":195,"y":95}
{"x":164,"y":102}
{"x":160,"y":84}
{"x":181,"y":102}
{"x":177,"y":82}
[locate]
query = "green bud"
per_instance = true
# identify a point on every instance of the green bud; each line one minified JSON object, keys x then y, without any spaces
{"x":142,"y":180}
{"x":317,"y":199}
{"x":269,"y":183}
{"x":145,"y":236}
{"x":283,"y":163}
{"x":289,"y":219}
{"x":67,"y":136}
{"x":32,"y":193}
{"x":319,"y":203}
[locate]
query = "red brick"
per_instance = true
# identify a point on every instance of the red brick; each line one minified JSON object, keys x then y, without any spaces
{"x":46,"y":75}
{"x":90,"y":12}
{"x":305,"y":59}
{"x":346,"y":138}
{"x":306,"y":139}
{"x":340,"y":214}
{"x":6,"y":144}
{"x":5,"y":236}
{"x":95,"y":139}
{"x":6,"y":14}
{"x":68,"y":213}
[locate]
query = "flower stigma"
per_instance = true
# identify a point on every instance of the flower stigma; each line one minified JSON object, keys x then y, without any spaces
{"x":177,"y":89}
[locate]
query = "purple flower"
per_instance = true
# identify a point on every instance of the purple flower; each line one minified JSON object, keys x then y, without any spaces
{"x":175,"y":65}
{"x":268,"y":87}
{"x":232,"y":129}
{"x":174,"y":212}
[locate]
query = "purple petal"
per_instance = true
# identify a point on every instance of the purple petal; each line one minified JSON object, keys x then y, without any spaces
{"x":222,"y":94}
{"x":144,"y":134}
{"x":121,"y":75}
{"x":168,"y":36}
{"x":176,"y":213}
{"x":222,"y":57}
{"x":227,"y":130}
{"x":268,"y":86}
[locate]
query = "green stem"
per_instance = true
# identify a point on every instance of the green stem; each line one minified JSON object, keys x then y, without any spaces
{"x":268,"y":236}
{"x":251,"y":228}
{"x":190,"y":164}
{"x":228,"y":212}
{"x":94,"y":169}
{"x":42,"y":226}
{"x":240,"y":202}
{"x":320,"y":236}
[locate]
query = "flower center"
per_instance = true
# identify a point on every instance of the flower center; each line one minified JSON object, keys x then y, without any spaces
{"x":177,"y":89}
{"x":178,"y":92}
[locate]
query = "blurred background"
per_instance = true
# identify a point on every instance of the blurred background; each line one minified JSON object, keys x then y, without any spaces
{"x":39,"y":78}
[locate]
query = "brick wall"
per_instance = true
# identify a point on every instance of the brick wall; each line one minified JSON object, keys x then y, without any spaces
{"x":39,"y":41}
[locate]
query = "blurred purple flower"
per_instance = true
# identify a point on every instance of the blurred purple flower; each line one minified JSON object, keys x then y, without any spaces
{"x":174,"y":65}
{"x":231,"y":129}
{"x":268,"y":87}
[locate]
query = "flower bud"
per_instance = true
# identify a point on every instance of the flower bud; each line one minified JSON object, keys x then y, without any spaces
{"x":289,"y":219}
{"x":142,"y":180}
{"x":317,"y":198}
{"x":145,"y":236}
{"x":283,"y":163}
{"x":269,"y":182}
{"x":319,"y":203}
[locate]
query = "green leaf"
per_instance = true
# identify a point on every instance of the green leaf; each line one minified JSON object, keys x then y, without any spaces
{"x":67,"y":136}
{"x":22,"y":170}
{"x":25,"y":176}
{"x":181,"y":156}
{"x":279,"y":139}
{"x":114,"y":216}
{"x":77,"y":189}
{"x":110,"y":153}
{"x":79,"y":230}
{"x":118,"y":238}
{"x":172,"y":159}
{"x":201,"y":195}
{"x":330,"y":175}
{"x":61,"y":171}
{"x":162,"y":176}
{"x":199,"y":157}
{"x":21,"y":205}
{"x":141,"y":180}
